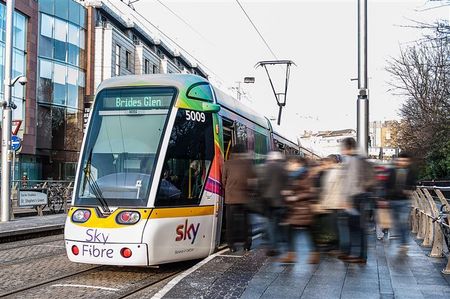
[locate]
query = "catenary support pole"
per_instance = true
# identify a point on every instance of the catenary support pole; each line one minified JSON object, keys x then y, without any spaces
{"x":363,"y":94}
{"x":6,"y":119}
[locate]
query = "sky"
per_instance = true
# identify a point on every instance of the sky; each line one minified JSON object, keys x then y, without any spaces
{"x":319,"y":36}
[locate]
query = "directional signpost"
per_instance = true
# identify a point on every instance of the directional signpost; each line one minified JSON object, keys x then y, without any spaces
{"x":16,"y":144}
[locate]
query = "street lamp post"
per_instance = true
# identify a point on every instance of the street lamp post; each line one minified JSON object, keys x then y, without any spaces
{"x":6,"y":118}
{"x":363,"y":92}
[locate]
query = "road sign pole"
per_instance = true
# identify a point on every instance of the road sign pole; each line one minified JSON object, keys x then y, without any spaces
{"x":6,"y":119}
{"x":13,"y":166}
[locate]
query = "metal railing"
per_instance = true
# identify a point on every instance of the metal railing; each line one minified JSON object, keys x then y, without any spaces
{"x":59,"y":194}
{"x":430,"y":220}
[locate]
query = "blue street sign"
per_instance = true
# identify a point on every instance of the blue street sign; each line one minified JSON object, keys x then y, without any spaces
{"x":16,"y":143}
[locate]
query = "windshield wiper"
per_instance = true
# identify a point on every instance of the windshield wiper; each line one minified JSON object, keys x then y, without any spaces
{"x":93,"y":185}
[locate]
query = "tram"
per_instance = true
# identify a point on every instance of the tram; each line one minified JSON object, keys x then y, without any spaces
{"x":148,"y":185}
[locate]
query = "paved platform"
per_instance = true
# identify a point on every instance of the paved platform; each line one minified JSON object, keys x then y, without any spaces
{"x":253,"y":275}
{"x":30,"y":225}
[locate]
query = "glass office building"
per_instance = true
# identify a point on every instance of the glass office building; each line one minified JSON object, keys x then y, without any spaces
{"x":60,"y":86}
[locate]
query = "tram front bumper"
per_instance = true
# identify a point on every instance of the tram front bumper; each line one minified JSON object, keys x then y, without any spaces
{"x":119,"y":254}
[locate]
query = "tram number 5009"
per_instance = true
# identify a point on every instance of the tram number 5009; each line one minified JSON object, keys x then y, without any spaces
{"x":195,"y":116}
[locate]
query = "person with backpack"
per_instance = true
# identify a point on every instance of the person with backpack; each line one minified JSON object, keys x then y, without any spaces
{"x":356,"y":188}
{"x":400,"y":184}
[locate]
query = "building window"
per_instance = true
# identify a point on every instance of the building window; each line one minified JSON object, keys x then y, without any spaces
{"x":155,"y":69}
{"x":117,"y":70}
{"x":128,"y":60}
{"x":60,"y":40}
{"x":18,"y":60}
{"x":59,"y":84}
{"x":146,"y":66}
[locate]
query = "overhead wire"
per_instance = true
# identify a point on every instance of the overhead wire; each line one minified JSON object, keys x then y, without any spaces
{"x":169,"y":38}
{"x":184,"y":21}
{"x":257,"y":30}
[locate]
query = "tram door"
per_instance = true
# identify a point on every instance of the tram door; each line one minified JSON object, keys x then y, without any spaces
{"x":228,"y":142}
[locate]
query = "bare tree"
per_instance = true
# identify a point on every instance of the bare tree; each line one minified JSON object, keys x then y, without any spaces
{"x":422,"y":75}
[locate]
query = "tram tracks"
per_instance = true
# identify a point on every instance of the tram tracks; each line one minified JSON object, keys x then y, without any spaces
{"x":126,"y":283}
{"x":136,"y":291}
{"x":22,"y":253}
{"x":47,"y":281}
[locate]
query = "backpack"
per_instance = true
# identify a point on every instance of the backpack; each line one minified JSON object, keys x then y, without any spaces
{"x":367,"y":174}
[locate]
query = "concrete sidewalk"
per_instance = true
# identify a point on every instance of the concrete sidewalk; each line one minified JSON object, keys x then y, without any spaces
{"x":33,"y":224}
{"x":253,"y":275}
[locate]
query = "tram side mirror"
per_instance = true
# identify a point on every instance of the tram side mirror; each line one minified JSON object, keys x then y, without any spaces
{"x":201,"y":91}
{"x":202,"y":94}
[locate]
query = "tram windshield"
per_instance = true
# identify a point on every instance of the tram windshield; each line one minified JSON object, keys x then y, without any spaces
{"x":122,"y":145}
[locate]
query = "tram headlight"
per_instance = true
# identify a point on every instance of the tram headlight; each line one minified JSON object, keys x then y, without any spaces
{"x":128,"y":217}
{"x":81,"y":216}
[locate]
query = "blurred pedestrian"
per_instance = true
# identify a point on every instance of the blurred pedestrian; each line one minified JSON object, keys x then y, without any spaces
{"x":331,"y":201}
{"x":383,"y":219}
{"x":237,"y":172}
{"x":359,"y":180}
{"x":401,"y":182}
{"x":299,"y":199}
{"x":273,"y":180}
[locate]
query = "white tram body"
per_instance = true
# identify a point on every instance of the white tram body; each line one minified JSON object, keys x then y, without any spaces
{"x":148,"y":185}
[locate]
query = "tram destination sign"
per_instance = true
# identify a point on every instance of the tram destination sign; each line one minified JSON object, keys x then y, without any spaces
{"x":138,"y":102}
{"x":32,"y":197}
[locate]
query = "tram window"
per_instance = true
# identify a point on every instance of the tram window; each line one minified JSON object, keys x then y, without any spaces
{"x":241,"y":134}
{"x":188,"y":160}
{"x":122,"y":146}
{"x":260,"y":147}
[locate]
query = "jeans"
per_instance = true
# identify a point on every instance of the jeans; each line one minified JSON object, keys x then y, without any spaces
{"x":344,"y":232}
{"x":292,"y":236}
{"x":358,"y":234}
{"x":400,"y":213}
{"x":275,"y":230}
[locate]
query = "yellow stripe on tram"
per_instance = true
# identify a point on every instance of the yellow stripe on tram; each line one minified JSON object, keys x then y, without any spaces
{"x":182,"y":212}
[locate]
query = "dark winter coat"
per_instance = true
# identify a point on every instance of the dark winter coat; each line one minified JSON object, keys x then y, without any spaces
{"x":273,"y":181}
{"x":236,"y":173}
{"x":397,"y":188}
{"x":300,"y":213}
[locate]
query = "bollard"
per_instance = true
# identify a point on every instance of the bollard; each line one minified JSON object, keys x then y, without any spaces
{"x":40,"y":210}
{"x":443,"y":200}
{"x":446,"y":204}
{"x":438,"y":237}
{"x":428,"y":222}
{"x":421,"y":225}
{"x":446,"y":270}
{"x":414,"y":217}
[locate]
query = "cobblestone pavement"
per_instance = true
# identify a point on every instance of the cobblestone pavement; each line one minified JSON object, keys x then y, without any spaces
{"x":386,"y":275}
{"x":42,"y":263}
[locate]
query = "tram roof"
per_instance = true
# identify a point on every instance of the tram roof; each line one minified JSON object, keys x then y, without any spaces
{"x":180,"y":81}
{"x":237,"y":107}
